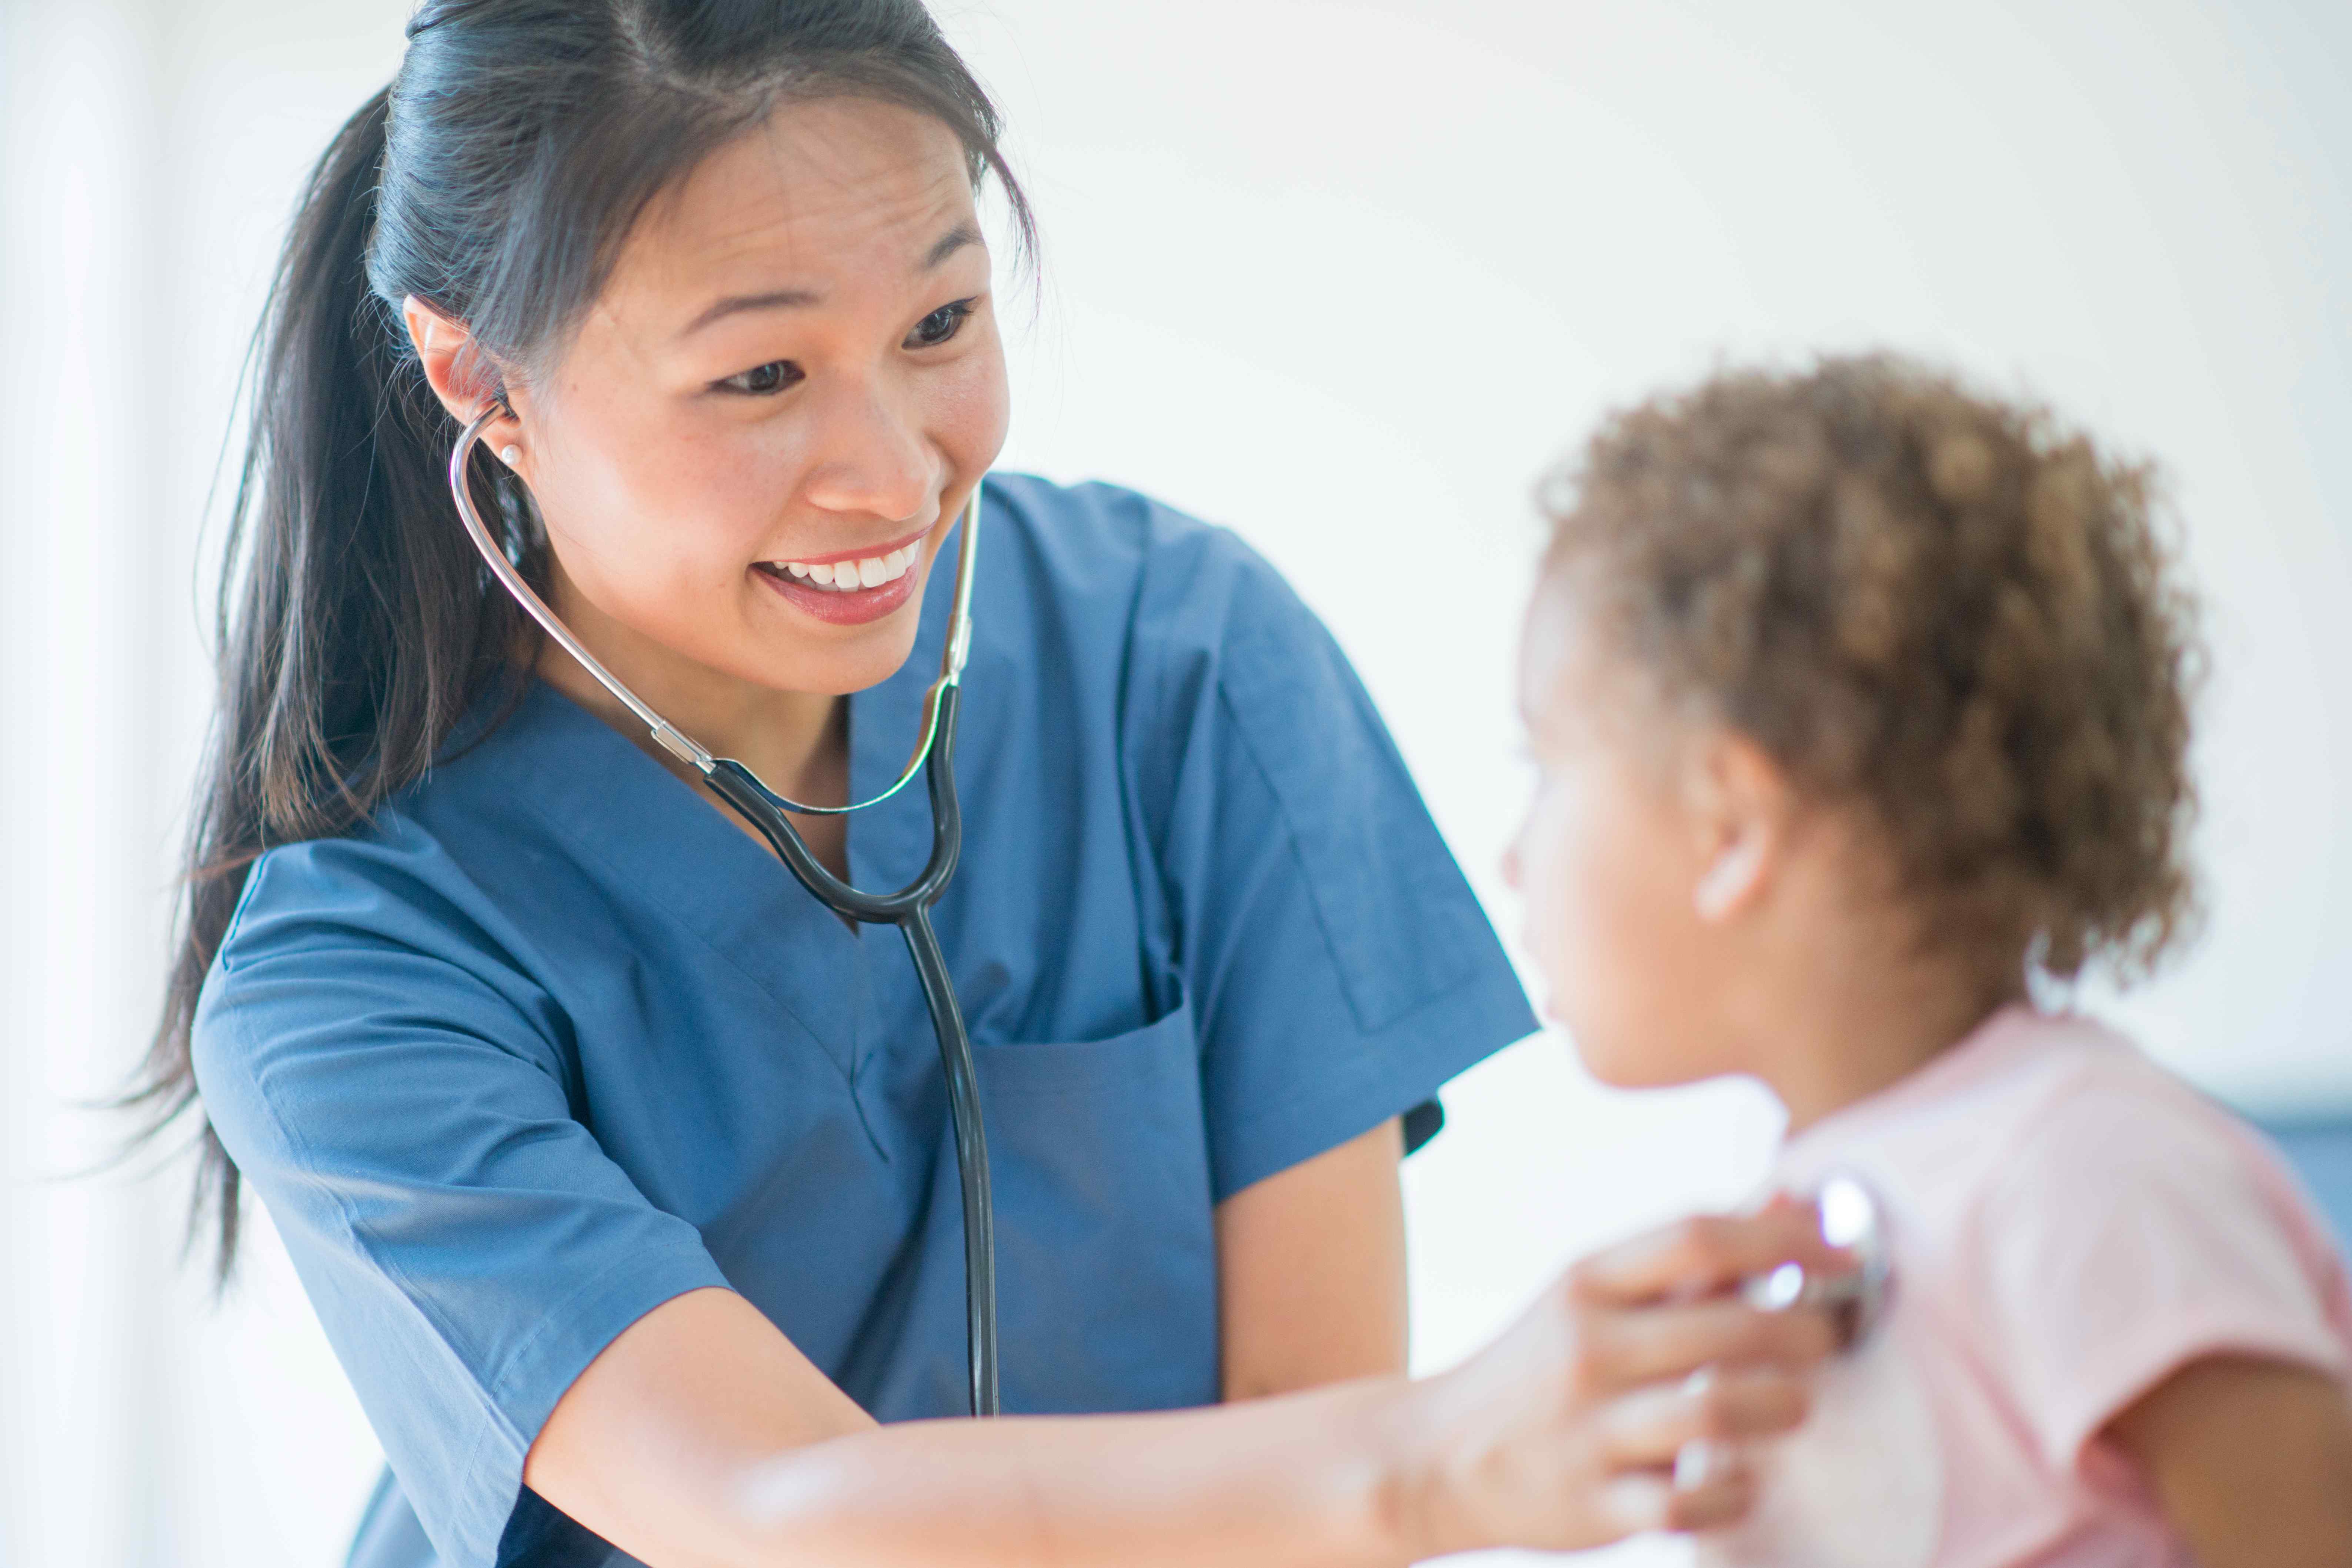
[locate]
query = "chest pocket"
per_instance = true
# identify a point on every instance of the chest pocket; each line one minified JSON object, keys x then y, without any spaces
{"x":1106,"y":1276}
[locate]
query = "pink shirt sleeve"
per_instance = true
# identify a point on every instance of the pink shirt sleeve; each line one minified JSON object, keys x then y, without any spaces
{"x":2130,"y":1234}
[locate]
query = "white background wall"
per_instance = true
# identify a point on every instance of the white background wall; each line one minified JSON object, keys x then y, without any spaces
{"x":1341,"y":275}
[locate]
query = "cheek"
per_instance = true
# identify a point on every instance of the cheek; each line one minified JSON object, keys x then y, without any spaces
{"x":657,"y":515}
{"x":1606,"y":924}
{"x":646,"y":511}
{"x":720,"y":490}
{"x":1572,"y":886}
{"x":969,"y":407}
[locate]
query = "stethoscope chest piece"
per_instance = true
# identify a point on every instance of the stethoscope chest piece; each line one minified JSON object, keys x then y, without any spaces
{"x":1853,"y":1219}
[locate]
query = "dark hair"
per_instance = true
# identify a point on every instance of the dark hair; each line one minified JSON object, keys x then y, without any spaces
{"x":496,"y":180}
{"x":1951,"y":609}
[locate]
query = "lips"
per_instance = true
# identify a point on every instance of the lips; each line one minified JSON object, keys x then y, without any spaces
{"x":852,"y":588}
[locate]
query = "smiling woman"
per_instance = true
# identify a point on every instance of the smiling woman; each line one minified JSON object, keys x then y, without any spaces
{"x":616,"y":1168}
{"x":800,"y":335}
{"x":833,"y":250}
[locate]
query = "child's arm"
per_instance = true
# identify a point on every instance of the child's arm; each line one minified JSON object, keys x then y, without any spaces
{"x":2251,"y":1459}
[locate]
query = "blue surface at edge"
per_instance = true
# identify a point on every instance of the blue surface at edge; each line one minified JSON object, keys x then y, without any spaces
{"x":2320,"y":1149}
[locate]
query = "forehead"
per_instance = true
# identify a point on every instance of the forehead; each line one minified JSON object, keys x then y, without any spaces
{"x":1577,"y":687}
{"x":819,"y":196}
{"x":1553,"y":655}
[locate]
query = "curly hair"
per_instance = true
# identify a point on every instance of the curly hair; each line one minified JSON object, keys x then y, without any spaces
{"x":1952,"y":611}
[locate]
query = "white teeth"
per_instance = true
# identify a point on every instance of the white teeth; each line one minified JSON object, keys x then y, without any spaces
{"x":851,"y":577}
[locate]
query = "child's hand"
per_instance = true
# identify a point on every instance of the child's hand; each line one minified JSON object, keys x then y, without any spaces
{"x":1620,"y":1333}
{"x":2251,"y":1459}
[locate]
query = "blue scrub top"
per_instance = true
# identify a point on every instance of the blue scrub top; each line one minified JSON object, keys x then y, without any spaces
{"x":552,"y":1041}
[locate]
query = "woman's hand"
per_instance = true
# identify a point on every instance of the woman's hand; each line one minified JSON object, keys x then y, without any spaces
{"x":1563,"y":1433}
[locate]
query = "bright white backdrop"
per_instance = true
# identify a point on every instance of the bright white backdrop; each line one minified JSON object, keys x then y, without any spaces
{"x":1341,"y":275}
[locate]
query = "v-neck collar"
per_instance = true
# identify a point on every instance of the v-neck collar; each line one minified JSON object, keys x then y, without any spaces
{"x":669,"y":847}
{"x":664,"y":845}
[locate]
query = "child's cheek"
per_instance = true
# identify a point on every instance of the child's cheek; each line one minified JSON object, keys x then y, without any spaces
{"x":1615,"y":962}
{"x":1537,"y":879}
{"x":1568,"y":918}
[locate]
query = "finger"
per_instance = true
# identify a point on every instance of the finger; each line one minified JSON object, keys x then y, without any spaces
{"x":1635,"y":1502}
{"x":1723,"y":1497}
{"x":1652,"y":1426}
{"x":1705,"y":1253}
{"x":1623,"y":1350}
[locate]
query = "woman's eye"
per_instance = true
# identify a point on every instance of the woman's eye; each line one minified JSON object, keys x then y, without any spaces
{"x":766,"y":380}
{"x":940,"y":325}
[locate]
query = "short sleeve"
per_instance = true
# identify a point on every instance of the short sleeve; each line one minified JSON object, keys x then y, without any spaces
{"x":390,"y":1085}
{"x":1338,"y":965}
{"x":2131,"y":1235}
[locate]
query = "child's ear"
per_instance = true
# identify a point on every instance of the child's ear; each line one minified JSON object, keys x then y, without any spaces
{"x":1741,"y":804}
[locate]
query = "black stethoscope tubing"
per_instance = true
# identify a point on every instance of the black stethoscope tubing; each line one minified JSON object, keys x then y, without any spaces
{"x":909,"y":909}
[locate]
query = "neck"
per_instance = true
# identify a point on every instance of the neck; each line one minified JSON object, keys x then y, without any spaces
{"x":1852,"y":1024}
{"x":798,"y":741}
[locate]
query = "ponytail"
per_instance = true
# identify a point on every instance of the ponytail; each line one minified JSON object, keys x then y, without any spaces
{"x":353,"y":627}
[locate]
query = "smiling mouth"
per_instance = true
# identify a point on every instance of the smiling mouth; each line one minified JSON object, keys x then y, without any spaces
{"x":848,"y":577}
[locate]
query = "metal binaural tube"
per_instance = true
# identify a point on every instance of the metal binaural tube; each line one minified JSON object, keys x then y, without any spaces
{"x":909,"y":907}
{"x":677,"y":743}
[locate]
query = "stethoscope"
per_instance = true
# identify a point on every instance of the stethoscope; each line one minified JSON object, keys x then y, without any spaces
{"x":1853,"y":1217}
{"x":909,"y":909}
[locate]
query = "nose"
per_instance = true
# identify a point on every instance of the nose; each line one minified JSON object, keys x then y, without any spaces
{"x":872,"y":458}
{"x":1512,"y":863}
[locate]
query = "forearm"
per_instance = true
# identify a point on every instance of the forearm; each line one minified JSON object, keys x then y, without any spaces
{"x":2251,"y":1461}
{"x":1322,"y":1480}
{"x":701,"y":1438}
{"x":1311,"y":1271}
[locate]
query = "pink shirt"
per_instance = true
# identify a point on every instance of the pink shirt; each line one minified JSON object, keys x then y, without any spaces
{"x":2069,"y":1225}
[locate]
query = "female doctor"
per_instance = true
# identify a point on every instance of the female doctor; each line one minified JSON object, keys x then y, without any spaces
{"x":616,"y":1167}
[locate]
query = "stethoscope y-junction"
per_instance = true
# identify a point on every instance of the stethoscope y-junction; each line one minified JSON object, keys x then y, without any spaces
{"x":909,"y":909}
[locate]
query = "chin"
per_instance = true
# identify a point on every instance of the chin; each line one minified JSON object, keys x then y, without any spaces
{"x":843,"y":675}
{"x":843,"y":665}
{"x":1621,"y":1059}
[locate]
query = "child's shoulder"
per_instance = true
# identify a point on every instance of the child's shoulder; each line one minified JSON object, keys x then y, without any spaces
{"x":2082,"y":1096}
{"x":2042,"y":1100}
{"x":2071,"y":1116}
{"x":2046,"y":1171}
{"x":2078,"y":1222}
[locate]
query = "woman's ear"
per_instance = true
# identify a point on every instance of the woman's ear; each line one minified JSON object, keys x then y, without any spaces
{"x":1740,"y":807}
{"x":462,"y":377}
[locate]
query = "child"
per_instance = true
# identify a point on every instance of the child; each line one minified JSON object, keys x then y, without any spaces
{"x":1860,"y":705}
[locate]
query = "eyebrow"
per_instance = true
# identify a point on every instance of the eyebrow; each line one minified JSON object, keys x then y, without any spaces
{"x":947,"y":245}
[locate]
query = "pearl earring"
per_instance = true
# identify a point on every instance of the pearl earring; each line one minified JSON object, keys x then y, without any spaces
{"x":510,"y":455}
